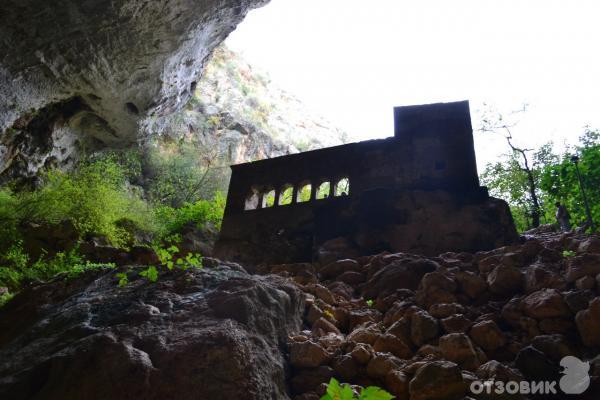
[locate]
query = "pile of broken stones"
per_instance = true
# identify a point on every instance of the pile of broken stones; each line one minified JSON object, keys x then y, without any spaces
{"x":426,"y":328}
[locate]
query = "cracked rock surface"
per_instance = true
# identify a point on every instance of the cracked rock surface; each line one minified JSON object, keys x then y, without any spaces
{"x":197,"y":334}
{"x":124,"y":62}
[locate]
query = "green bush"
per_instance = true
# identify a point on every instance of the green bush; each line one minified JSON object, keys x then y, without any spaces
{"x":16,"y":267}
{"x":93,"y":197}
{"x":181,"y":172}
{"x":199,"y":213}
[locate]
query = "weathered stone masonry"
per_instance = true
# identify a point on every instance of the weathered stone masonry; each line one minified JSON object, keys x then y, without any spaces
{"x":417,"y":191}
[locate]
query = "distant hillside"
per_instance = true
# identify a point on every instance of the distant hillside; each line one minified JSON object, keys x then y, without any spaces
{"x":240,"y":115}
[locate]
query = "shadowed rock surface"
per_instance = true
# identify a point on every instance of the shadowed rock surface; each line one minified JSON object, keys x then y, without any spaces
{"x":200,"y":334}
{"x":93,"y":71}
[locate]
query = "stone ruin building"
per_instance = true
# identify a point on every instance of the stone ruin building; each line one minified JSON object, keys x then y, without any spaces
{"x":417,"y":192}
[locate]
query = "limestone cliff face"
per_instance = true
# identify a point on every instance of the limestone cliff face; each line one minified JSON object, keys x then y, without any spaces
{"x":238,"y":114}
{"x":92,"y":71}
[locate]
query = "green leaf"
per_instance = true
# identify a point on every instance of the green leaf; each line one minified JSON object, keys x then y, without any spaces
{"x":374,"y":393}
{"x":123,"y":279}
{"x":151,"y":274}
{"x":335,"y":391}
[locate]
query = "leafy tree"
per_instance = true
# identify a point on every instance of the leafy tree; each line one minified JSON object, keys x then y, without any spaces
{"x":560,"y":181}
{"x":508,"y":180}
{"x":180,"y":172}
{"x":525,"y":191}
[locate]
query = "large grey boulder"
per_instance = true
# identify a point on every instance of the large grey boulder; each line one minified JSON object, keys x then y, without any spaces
{"x":200,"y":334}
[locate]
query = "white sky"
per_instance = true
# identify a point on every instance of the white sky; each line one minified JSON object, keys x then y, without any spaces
{"x":353,"y":63}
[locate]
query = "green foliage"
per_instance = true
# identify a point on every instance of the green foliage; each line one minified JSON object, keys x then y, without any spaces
{"x":192,"y":260}
{"x":508,"y":180}
{"x":555,"y":178}
{"x":200,"y":213}
{"x":369,"y":302}
{"x":151,"y":274}
{"x":17,"y":268}
{"x":167,"y":257}
{"x":561,"y":183}
{"x":304,"y":193}
{"x":335,"y":391}
{"x":93,"y":198}
{"x":5,"y":298}
{"x":123,"y":279}
{"x":324,"y":190}
{"x":568,"y":253}
{"x":180,"y":172}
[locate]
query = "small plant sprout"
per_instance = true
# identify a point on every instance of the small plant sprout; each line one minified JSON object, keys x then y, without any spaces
{"x":568,"y":253}
{"x":370,"y":302}
{"x":151,"y":274}
{"x":123,"y":279}
{"x":335,"y":391}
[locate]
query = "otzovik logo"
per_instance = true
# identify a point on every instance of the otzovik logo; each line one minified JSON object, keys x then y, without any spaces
{"x":576,"y":377}
{"x":575,"y":380}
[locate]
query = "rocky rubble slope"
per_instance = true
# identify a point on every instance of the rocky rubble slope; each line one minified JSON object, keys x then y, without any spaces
{"x":425,"y":328}
{"x":197,"y":334}
{"x":420,"y":327}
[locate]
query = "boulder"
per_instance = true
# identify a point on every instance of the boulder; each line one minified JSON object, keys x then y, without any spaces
{"x":578,"y":300}
{"x":336,"y":268}
{"x":392,"y":344}
{"x":362,"y":353}
{"x":306,"y":380}
{"x":381,"y":364}
{"x":505,"y":280}
{"x":307,"y":354}
{"x":588,"y":323}
{"x":404,"y":273}
{"x":444,"y":310}
{"x":397,"y":384}
{"x":458,"y":348}
{"x":423,"y":327}
{"x":437,"y":380}
{"x":545,"y":303}
{"x":456,"y":324}
{"x":554,"y":346}
{"x":585,"y":282}
{"x":582,"y":265}
{"x":192,"y":334}
{"x":471,"y":284}
{"x":488,"y":335}
{"x":323,"y":326}
{"x":539,"y":277}
{"x":346,"y":367}
{"x":534,"y":365}
{"x":590,"y":245}
{"x":366,"y":333}
{"x":352,"y":277}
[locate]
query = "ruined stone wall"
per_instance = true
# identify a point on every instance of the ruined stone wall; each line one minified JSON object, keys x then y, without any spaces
{"x":417,"y":191}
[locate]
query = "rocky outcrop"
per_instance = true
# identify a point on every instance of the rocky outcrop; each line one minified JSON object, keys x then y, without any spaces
{"x":90,"y":73}
{"x":211,"y":333}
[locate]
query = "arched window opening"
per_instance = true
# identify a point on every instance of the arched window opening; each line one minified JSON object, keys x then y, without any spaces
{"x":252,"y":200}
{"x":342,"y":187}
{"x":324,"y":190}
{"x":304,"y":192}
{"x":268,"y":198}
{"x":286,"y":195}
